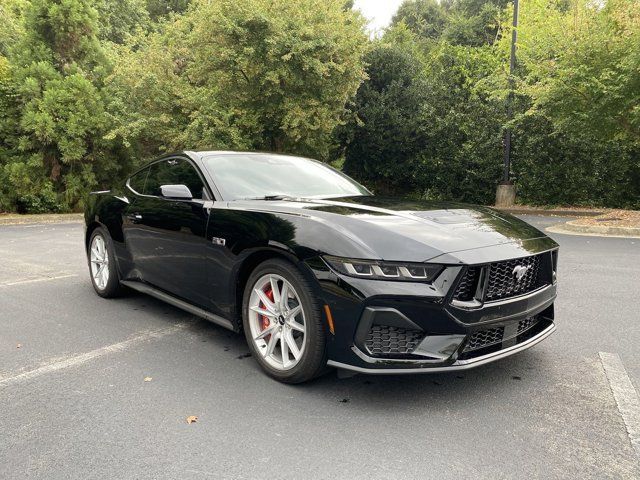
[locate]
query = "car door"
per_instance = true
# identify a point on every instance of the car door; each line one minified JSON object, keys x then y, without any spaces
{"x":166,"y":237}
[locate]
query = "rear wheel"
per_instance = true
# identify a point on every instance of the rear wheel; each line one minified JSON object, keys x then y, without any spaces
{"x":282,"y":322}
{"x":102,"y":265}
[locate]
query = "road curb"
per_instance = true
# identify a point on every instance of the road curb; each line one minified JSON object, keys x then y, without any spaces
{"x":602,"y":229}
{"x":550,"y":212}
{"x":41,"y":219}
{"x":570,"y":228}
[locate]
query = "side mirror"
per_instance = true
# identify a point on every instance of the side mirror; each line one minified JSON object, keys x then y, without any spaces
{"x":176,"y":192}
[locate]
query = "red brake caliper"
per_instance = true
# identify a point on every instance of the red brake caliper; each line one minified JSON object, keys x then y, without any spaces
{"x":264,"y":321}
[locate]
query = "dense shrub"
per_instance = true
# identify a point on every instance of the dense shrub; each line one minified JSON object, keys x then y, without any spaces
{"x":89,"y":89}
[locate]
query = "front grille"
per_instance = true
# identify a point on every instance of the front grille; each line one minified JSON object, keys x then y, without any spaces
{"x":386,"y":340}
{"x":500,"y":279}
{"x":503,"y":281}
{"x":484,"y":338}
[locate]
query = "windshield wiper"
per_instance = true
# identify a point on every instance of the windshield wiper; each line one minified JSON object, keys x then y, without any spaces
{"x":269,"y":197}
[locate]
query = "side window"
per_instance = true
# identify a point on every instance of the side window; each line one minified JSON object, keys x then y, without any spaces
{"x":136,"y":182}
{"x":174,"y":172}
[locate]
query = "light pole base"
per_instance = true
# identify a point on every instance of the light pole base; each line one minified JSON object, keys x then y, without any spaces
{"x":506,"y":195}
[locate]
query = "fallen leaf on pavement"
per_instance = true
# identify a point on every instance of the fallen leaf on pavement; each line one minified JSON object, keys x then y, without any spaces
{"x":19,"y":345}
{"x":148,"y":379}
{"x":192,"y":419}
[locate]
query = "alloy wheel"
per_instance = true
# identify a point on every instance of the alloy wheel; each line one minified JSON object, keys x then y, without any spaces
{"x":277,"y":321}
{"x":99,"y":262}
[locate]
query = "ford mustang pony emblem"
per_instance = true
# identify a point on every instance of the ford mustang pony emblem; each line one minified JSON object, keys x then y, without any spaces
{"x":519,"y":272}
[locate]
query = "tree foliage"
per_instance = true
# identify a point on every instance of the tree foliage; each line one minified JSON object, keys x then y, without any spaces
{"x":578,"y":135}
{"x":459,"y":22}
{"x":53,"y":112}
{"x":259,"y":75}
{"x":92,"y":88}
{"x":430,"y":128}
{"x":576,"y":103}
{"x":583,"y":66}
{"x":89,"y":89}
{"x":383,"y":147}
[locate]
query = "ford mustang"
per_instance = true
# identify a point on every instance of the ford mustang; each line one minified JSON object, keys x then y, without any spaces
{"x":319,"y":272}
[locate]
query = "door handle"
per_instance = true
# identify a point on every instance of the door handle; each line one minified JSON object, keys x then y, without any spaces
{"x":134,"y":217}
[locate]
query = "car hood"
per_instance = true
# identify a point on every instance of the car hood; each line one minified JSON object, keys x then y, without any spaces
{"x":413,"y":230}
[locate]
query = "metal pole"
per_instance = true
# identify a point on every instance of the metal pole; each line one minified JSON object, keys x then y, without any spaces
{"x":512,"y":66}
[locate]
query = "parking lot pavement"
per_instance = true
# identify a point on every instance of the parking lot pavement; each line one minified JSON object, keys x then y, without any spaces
{"x":74,"y":402}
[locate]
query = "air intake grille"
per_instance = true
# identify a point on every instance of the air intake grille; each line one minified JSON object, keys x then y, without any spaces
{"x":526,"y":324}
{"x":468,"y":284}
{"x":385,"y":340}
{"x":503,"y":279}
{"x":484,"y":338}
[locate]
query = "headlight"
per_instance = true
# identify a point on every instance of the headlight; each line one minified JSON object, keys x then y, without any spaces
{"x":379,"y":270}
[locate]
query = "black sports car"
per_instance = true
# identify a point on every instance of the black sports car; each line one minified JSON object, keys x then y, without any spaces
{"x":318,"y":271}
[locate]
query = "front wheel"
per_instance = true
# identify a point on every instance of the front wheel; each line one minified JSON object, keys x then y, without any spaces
{"x":282,"y":322}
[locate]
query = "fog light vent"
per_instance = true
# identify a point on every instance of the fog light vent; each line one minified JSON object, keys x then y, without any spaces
{"x":386,"y":340}
{"x":484,"y":338}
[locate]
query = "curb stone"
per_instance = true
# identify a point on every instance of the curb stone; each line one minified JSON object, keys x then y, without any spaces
{"x":41,"y":219}
{"x":602,"y":229}
{"x":595,"y":230}
{"x":550,"y":212}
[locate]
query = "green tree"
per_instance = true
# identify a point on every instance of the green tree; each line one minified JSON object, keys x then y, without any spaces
{"x":462,"y":119}
{"x":582,"y":65}
{"x":286,"y":68}
{"x":119,"y":20}
{"x":577,"y":139}
{"x":54,"y":151}
{"x":459,"y":22}
{"x":427,"y":124}
{"x":162,"y":8}
{"x":426,"y":18}
{"x":256,"y":74}
{"x":383,"y":140}
{"x":12,"y":25}
{"x":474,"y":22}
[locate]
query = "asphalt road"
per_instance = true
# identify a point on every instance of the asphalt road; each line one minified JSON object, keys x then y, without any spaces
{"x":74,"y":402}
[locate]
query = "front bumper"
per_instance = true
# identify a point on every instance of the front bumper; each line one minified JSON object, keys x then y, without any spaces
{"x":448,"y":330}
{"x":417,"y":367}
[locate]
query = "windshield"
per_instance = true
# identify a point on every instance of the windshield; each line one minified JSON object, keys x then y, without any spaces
{"x":258,"y":175}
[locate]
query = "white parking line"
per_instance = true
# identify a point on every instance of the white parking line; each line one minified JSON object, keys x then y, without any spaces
{"x":92,"y":355}
{"x":625,"y":395}
{"x":34,"y":280}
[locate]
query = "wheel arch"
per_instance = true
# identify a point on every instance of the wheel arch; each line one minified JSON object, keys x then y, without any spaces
{"x":250,"y":262}
{"x":91,"y":227}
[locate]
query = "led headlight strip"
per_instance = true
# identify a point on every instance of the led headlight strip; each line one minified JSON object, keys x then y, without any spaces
{"x":380,"y":270}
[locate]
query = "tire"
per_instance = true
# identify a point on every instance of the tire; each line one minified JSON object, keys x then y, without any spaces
{"x":285,"y":324}
{"x":106,"y":284}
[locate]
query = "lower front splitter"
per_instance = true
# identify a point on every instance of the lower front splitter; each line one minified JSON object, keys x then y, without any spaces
{"x":458,"y":365}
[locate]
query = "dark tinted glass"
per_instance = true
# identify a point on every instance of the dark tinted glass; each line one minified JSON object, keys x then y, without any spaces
{"x":246,"y":175}
{"x":173,"y":172}
{"x":136,"y":182}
